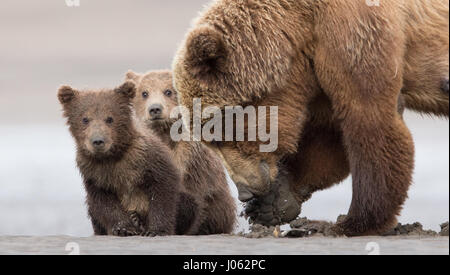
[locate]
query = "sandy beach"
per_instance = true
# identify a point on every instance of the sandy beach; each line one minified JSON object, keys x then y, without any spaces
{"x":224,"y":245}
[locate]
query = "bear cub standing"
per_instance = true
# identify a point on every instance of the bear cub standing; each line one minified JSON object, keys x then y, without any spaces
{"x":131,"y":183}
{"x":203,"y":175}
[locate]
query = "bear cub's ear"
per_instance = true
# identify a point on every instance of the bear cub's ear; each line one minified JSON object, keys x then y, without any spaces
{"x":128,"y":89}
{"x":205,"y":51}
{"x":66,"y":94}
{"x":132,"y":76}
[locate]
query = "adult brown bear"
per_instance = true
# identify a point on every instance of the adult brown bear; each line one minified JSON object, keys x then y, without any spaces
{"x":336,"y":69}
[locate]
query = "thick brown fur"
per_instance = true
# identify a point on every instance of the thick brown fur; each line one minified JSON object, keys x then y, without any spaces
{"x":337,"y":70}
{"x":202,"y":172}
{"x":131,"y":182}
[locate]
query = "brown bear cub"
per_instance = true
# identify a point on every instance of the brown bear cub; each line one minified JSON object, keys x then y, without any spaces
{"x":203,"y":174}
{"x":131,"y":183}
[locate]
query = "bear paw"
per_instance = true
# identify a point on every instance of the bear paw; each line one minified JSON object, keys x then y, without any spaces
{"x":346,"y":226}
{"x":260,"y":210}
{"x":279,"y":206}
{"x":154,"y":233}
{"x":122,"y":229}
{"x":137,"y":222}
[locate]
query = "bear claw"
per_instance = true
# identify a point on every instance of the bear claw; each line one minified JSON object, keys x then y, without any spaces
{"x":136,"y":220}
{"x":121,"y":230}
{"x":153,"y":233}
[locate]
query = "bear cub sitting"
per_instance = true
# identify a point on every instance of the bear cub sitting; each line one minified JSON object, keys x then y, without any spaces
{"x":203,"y":175}
{"x":131,"y":183}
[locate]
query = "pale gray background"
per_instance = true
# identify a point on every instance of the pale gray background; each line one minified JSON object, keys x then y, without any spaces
{"x":45,"y":44}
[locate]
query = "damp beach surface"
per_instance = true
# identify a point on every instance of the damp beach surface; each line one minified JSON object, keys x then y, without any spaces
{"x":224,"y":245}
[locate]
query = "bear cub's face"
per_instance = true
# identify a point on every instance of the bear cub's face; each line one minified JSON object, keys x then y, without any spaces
{"x":99,"y":121}
{"x":156,"y":98}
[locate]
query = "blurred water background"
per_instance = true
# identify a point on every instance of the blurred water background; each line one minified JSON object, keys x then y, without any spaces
{"x":46,"y":44}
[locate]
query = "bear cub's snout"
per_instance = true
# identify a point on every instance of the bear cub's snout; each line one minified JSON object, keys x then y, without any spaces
{"x":156,"y":111}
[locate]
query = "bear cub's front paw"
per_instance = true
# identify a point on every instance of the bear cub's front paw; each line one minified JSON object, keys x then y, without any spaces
{"x":154,"y":233}
{"x":137,"y":221}
{"x":123,"y":229}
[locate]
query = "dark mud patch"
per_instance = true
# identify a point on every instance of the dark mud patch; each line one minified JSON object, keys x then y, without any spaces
{"x":300,"y":228}
{"x":415,"y":229}
{"x":258,"y":231}
{"x":304,"y":228}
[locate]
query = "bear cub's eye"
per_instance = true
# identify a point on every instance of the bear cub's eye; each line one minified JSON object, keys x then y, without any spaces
{"x":85,"y":121}
{"x":145,"y":94}
{"x":168,"y":93}
{"x":109,"y":120}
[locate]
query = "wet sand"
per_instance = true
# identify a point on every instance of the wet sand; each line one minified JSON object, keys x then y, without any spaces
{"x":224,"y":245}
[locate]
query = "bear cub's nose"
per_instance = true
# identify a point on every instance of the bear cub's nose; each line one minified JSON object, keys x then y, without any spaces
{"x":98,"y":142}
{"x":156,"y":110}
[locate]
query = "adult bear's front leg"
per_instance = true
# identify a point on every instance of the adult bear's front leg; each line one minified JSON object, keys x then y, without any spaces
{"x":320,"y":162}
{"x":361,"y":71}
